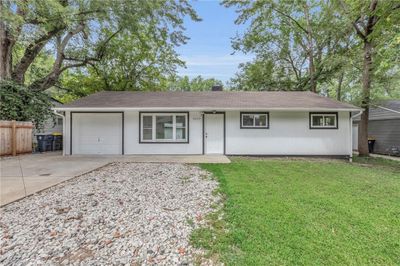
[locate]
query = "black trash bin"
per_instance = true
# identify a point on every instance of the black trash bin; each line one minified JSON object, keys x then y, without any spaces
{"x":371,"y":143}
{"x":57,"y":142}
{"x":45,"y":142}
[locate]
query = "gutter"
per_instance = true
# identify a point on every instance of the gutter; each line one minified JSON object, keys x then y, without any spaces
{"x":202,"y":109}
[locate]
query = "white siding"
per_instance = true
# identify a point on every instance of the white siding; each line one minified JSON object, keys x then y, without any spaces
{"x":288,"y":134}
{"x":66,"y":133}
{"x":132,"y":145}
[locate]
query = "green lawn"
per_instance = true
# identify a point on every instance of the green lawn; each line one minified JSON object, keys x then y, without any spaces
{"x":285,"y":212}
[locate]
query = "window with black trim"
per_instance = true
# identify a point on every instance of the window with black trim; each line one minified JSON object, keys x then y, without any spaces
{"x":164,"y":127}
{"x":323,"y":120}
{"x":254,"y":120}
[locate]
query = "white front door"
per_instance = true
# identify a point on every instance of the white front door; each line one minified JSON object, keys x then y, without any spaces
{"x":96,"y":133}
{"x":214,"y":133}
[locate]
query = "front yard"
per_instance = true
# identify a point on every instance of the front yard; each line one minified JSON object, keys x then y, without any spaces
{"x":284,"y":212}
{"x":120,"y":214}
{"x":275,"y":211}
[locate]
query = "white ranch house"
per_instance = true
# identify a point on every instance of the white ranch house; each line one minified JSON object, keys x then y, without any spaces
{"x":214,"y":122}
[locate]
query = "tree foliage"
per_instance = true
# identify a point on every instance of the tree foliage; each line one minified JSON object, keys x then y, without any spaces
{"x":22,"y":104}
{"x":375,"y":23}
{"x":81,"y":84}
{"x":284,"y":34}
{"x":198,"y":83}
{"x":296,"y":44}
{"x":79,"y":33}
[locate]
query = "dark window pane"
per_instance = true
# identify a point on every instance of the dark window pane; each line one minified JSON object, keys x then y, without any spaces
{"x":260,"y":120}
{"x":330,"y":121}
{"x":180,"y":133}
{"x":180,"y":121}
{"x":147,"y":121}
{"x":247,"y":120}
{"x":147,"y":134}
{"x":164,"y":127}
{"x":317,"y":120}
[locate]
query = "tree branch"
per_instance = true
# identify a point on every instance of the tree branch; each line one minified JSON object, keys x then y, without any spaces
{"x":51,"y":78}
{"x":31,"y":52}
{"x":292,"y":19}
{"x":63,"y":44}
{"x":354,"y":23}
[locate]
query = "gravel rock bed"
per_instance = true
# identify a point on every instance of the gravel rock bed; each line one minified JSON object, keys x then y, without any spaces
{"x":123,"y":213}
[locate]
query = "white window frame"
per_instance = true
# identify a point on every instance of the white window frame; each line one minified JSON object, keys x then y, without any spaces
{"x":242,"y":114}
{"x":173,"y":139}
{"x":324,"y":126}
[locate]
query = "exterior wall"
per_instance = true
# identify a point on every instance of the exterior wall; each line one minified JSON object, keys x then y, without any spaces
{"x":131,"y":137}
{"x":288,"y":134}
{"x":50,"y":127}
{"x":386,"y":133}
{"x":66,"y":133}
{"x":132,"y":145}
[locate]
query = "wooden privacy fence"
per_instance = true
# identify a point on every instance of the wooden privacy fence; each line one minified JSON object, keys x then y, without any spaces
{"x":15,"y":137}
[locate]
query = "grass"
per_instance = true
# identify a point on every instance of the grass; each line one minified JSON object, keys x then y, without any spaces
{"x":285,"y":212}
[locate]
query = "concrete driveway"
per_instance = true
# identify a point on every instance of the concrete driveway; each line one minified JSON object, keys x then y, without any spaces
{"x":27,"y":174}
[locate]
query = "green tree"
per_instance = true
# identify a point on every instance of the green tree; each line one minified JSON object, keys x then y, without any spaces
{"x":19,"y":103}
{"x":198,"y":83}
{"x":77,"y":32}
{"x":140,"y":64}
{"x":376,"y":24}
{"x":296,"y":43}
{"x":143,"y":64}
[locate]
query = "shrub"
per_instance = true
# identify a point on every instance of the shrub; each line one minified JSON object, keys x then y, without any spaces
{"x":22,"y":104}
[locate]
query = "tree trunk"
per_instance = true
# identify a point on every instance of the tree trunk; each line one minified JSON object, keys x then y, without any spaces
{"x":339,"y":87}
{"x":5,"y":50}
{"x":310,"y":48}
{"x":366,"y":83}
{"x":313,"y":84}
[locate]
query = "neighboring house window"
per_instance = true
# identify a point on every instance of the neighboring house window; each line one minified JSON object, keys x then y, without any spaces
{"x":164,"y":127}
{"x":323,"y":120}
{"x":254,"y":120}
{"x":58,"y":122}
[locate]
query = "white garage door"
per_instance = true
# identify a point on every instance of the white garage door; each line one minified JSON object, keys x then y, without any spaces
{"x":96,"y":133}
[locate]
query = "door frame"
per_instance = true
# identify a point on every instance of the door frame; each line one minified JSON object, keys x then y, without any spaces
{"x":97,"y":112}
{"x":224,"y":124}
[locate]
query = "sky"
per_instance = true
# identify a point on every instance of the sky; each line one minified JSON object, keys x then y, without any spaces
{"x":209,"y":52}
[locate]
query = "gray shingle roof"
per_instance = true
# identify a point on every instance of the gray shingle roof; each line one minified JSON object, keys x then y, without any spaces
{"x":209,"y":100}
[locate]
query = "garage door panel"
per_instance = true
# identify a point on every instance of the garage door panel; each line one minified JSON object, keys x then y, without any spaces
{"x":97,"y":133}
{"x":95,"y":149}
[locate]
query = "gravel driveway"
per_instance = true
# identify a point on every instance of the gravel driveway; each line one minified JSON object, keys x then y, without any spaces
{"x":123,"y":213}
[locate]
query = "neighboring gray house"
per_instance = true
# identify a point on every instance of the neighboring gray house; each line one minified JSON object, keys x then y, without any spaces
{"x":383,"y":126}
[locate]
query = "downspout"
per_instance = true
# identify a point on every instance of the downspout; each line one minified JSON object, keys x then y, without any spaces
{"x":351,"y":133}
{"x":63,"y":118}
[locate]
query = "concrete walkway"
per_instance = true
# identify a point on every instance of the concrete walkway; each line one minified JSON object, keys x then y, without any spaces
{"x":394,"y":158}
{"x":27,"y":174}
